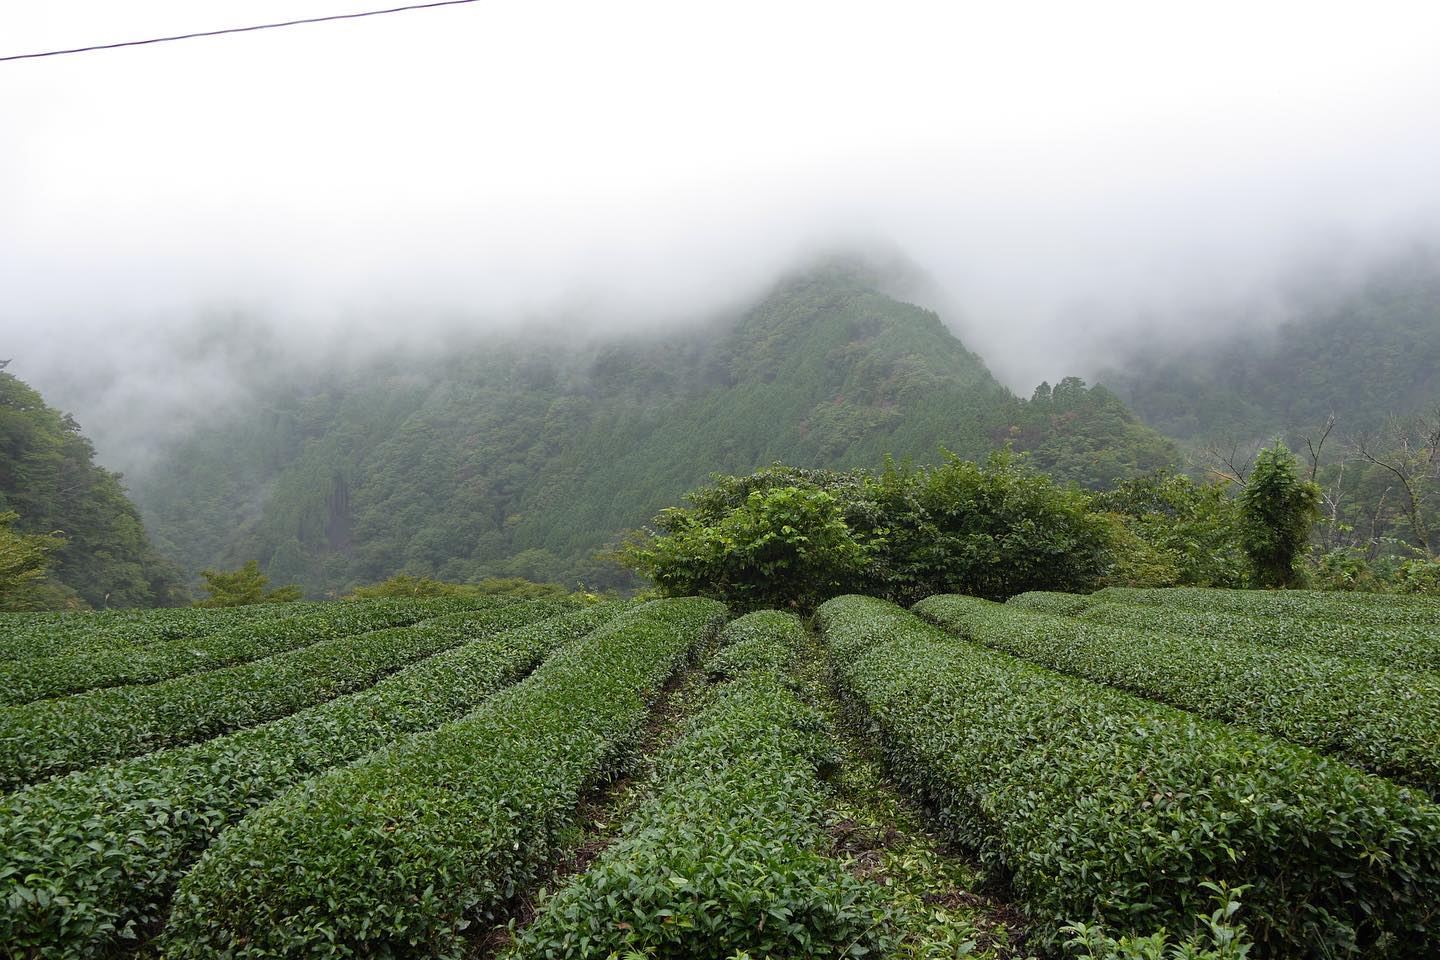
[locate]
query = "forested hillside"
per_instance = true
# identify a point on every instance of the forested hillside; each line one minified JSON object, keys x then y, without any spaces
{"x":511,"y":457}
{"x":1372,"y":353}
{"x":48,"y":477}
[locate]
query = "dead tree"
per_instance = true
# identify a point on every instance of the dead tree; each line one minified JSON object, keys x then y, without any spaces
{"x":1408,"y":449}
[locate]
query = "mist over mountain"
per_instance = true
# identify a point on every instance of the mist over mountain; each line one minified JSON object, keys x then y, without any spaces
{"x":509,"y":294}
{"x":49,"y":479}
{"x":523,"y":455}
{"x":1364,"y":355}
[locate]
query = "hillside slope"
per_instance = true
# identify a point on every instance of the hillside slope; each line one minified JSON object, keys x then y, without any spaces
{"x":1373,"y":353}
{"x":521,"y":458}
{"x":48,"y":476}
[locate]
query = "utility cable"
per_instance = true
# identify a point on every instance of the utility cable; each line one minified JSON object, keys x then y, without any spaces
{"x":251,"y":29}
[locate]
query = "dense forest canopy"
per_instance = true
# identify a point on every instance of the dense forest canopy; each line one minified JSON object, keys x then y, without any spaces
{"x":1368,"y":355}
{"x":50,"y":481}
{"x":529,"y":455}
{"x":511,"y":457}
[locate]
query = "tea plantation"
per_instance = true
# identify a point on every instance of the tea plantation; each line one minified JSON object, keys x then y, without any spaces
{"x":1145,"y":774}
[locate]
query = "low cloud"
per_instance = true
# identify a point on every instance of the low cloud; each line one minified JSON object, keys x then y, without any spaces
{"x":1073,"y":180}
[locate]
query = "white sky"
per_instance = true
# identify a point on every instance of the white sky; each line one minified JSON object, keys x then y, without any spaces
{"x":1059,"y":168}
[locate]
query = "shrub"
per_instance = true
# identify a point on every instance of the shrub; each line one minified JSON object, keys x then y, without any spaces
{"x":49,"y":737}
{"x":785,"y":546}
{"x":729,"y":854}
{"x":1277,"y":510}
{"x":1378,"y":718}
{"x":80,"y":885}
{"x":1405,"y":647}
{"x":1174,"y":531}
{"x":791,"y":537}
{"x":1107,"y":808}
{"x":27,"y":635}
{"x":1050,"y":601}
{"x":22,"y":681}
{"x":1393,"y":610}
{"x":397,"y":854}
{"x":1222,"y":938}
{"x":238,"y":588}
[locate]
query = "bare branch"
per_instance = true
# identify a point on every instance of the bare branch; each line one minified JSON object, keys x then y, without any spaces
{"x":1316,"y":447}
{"x":1234,"y":464}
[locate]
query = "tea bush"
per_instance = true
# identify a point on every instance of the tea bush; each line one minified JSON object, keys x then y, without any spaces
{"x":50,"y":737}
{"x":1106,"y":808}
{"x":1384,"y":720}
{"x":22,"y":681}
{"x":1375,"y":609}
{"x":729,"y":854}
{"x":82,"y":881}
{"x":1408,"y":647}
{"x":25,"y":635}
{"x":397,"y":854}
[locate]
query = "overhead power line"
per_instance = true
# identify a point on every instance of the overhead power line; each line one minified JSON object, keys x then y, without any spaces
{"x":250,"y":29}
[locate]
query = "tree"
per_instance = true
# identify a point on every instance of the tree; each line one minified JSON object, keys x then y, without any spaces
{"x":1174,"y":532}
{"x":1277,"y":510}
{"x":992,"y":531}
{"x":790,"y":536}
{"x":1409,"y":451}
{"x":242,"y":587}
{"x":24,"y":561}
{"x":48,"y":476}
{"x":785,"y":546}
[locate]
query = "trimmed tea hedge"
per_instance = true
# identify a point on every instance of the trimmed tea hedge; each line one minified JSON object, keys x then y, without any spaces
{"x":1387,"y":721}
{"x":50,"y":737}
{"x":727,"y":857}
{"x":1049,"y":601}
{"x":1413,"y":643}
{"x":1412,"y":647}
{"x":1376,"y":609}
{"x":394,"y":856}
{"x":24,"y":635}
{"x":1102,"y":806}
{"x":22,"y":681}
{"x":94,"y":856}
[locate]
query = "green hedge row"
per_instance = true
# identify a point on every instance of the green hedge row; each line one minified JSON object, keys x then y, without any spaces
{"x":763,"y":642}
{"x":1105,"y":807}
{"x":94,"y":856}
{"x":728,"y":855}
{"x":394,"y":855}
{"x":24,"y":635}
{"x":1386,"y":721}
{"x":49,"y":737}
{"x":1050,"y":601}
{"x":1376,"y":609}
{"x":1407,"y":648}
{"x":39,"y":678}
{"x":1413,"y":646}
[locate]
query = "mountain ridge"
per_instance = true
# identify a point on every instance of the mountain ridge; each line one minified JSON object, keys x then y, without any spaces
{"x":514,"y":458}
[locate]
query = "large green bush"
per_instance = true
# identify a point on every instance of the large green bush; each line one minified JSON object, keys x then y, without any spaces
{"x":786,"y":536}
{"x":780,"y":546}
{"x":1174,"y":531}
{"x":1277,"y":510}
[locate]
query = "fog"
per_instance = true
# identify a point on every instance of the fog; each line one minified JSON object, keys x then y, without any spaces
{"x":1072,"y":178}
